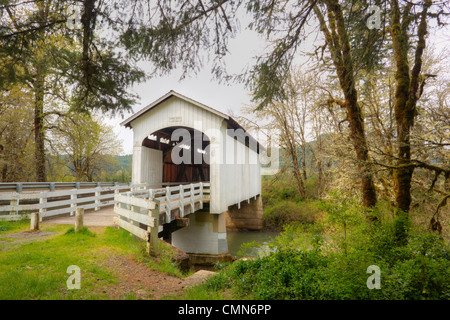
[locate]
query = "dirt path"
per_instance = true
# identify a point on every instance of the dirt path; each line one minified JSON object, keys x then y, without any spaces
{"x":139,"y":280}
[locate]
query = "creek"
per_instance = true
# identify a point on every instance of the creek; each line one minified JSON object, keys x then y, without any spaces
{"x":236,"y":238}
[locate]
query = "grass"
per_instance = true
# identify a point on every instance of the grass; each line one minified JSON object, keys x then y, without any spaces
{"x":13,"y":226}
{"x":37,"y":268}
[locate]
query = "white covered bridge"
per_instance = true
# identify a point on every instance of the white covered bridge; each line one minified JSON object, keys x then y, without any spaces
{"x":181,"y":145}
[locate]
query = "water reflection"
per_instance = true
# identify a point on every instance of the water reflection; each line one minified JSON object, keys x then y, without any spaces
{"x":236,"y":238}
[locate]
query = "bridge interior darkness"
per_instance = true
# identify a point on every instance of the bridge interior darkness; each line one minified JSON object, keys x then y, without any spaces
{"x":195,"y":170}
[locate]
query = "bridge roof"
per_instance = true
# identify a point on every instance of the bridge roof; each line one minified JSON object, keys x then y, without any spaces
{"x":171,"y":93}
{"x":231,"y":123}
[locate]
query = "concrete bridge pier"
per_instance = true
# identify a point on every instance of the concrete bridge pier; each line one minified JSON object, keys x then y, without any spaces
{"x":247,"y":216}
{"x":205,"y":239}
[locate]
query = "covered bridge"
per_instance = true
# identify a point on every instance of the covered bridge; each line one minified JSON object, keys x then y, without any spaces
{"x":177,"y":140}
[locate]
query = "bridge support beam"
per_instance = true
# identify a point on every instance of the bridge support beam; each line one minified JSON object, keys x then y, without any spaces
{"x":206,"y":234}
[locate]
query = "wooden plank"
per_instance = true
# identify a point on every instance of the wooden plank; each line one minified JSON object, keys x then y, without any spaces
{"x":135,"y":216}
{"x":59,"y":203}
{"x":138,"y":232}
{"x":143,"y":203}
{"x":20,"y":207}
{"x":107,"y":203}
{"x":87,"y":199}
{"x":51,"y":213}
{"x":60,"y":193}
{"x":9,"y":195}
{"x":153,"y":241}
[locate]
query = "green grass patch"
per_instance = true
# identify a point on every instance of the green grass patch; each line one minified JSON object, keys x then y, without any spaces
{"x":37,"y":269}
{"x":14,"y":226}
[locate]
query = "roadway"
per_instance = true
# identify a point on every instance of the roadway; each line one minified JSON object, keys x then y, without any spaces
{"x":101,"y":218}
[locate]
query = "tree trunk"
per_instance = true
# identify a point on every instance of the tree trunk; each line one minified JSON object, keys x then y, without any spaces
{"x":406,"y":96}
{"x":39,"y":133}
{"x":292,"y":149}
{"x":298,"y":175}
{"x":88,"y":22}
{"x":320,"y":180}
{"x":305,"y":177}
{"x":339,"y":46}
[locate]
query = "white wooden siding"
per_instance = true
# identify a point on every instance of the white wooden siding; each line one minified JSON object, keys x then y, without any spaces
{"x":147,"y":166}
{"x":167,"y":112}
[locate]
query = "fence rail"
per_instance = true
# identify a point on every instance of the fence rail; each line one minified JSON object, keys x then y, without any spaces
{"x":13,"y":205}
{"x":145,"y":206}
{"x":177,"y":198}
{"x":52,"y":186}
{"x":134,"y":211}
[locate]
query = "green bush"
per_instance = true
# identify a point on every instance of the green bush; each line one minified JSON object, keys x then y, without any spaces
{"x":289,"y":211}
{"x":305,"y":263}
{"x":278,"y":192}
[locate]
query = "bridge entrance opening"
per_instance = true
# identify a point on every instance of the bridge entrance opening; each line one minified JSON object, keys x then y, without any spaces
{"x":185,"y":154}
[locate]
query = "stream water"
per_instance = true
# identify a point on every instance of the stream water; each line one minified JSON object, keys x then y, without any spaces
{"x":237,"y":238}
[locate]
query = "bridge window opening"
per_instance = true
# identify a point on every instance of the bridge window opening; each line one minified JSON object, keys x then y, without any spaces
{"x":193,"y":171}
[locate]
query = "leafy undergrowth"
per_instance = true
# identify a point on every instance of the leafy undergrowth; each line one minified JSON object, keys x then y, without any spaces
{"x":332,"y":258}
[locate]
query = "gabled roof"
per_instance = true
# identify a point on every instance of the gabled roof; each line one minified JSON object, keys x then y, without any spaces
{"x":231,"y":123}
{"x":171,"y":93}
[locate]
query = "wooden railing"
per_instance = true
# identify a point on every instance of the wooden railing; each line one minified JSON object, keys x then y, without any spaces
{"x":52,"y":186}
{"x":177,"y":198}
{"x":14,"y":205}
{"x":145,"y":206}
{"x":133,"y":211}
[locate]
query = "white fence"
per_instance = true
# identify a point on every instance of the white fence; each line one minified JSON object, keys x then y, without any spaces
{"x":13,"y":205}
{"x":177,"y":197}
{"x":144,"y":207}
{"x":133,"y":211}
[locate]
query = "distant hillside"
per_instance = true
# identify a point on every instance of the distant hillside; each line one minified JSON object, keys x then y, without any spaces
{"x":120,"y":163}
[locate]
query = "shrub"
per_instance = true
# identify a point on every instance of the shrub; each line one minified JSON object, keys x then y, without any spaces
{"x":301,"y":265}
{"x":286,"y":212}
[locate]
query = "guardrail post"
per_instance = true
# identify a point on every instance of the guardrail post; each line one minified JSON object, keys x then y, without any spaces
{"x":181,"y":201}
{"x":79,"y":217}
{"x":73,"y":205}
{"x":201,"y":195}
{"x":192,"y":200}
{"x":168,"y":213}
{"x":14,"y":203}
{"x":34,"y":219}
{"x":97,"y":198}
{"x":152,"y":244}
{"x":42,"y":204}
